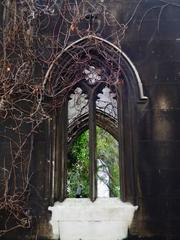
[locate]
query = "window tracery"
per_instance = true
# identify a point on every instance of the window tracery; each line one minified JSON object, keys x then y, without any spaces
{"x":77,"y":105}
{"x":106,"y":88}
{"x":107,"y":102}
{"x":101,"y":101}
{"x":92,"y":75}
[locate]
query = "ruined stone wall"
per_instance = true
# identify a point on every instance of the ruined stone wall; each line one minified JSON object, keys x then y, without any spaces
{"x":152,"y":42}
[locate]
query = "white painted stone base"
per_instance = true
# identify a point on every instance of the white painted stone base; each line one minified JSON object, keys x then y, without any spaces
{"x":104,"y":219}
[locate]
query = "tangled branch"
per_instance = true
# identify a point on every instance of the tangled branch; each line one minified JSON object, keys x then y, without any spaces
{"x":33,"y":34}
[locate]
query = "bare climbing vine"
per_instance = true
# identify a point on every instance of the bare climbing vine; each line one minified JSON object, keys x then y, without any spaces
{"x":33,"y":34}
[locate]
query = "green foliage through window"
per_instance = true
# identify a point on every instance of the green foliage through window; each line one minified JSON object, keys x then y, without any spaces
{"x":78,"y":163}
{"x":108,"y":153}
{"x":78,"y":166}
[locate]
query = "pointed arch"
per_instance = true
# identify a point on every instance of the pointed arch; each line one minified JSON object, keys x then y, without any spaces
{"x":61,"y":80}
{"x":129,"y":69}
{"x":103,"y":120}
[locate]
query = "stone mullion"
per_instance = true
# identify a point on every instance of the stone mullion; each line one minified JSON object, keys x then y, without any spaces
{"x":61,"y":154}
{"x":92,"y":148}
{"x":121,"y":142}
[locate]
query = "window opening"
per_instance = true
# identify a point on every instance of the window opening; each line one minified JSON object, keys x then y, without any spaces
{"x":78,"y":180}
{"x":108,"y":181}
{"x":78,"y":167}
{"x":90,"y":170}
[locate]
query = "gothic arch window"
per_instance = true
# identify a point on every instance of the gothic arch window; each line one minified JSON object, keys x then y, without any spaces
{"x":94,"y":83}
{"x":84,"y":111}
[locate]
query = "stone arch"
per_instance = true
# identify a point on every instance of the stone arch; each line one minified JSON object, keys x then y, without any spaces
{"x":129,"y":69}
{"x":128,"y":100}
{"x":103,"y":120}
